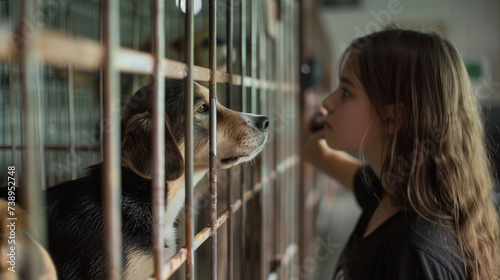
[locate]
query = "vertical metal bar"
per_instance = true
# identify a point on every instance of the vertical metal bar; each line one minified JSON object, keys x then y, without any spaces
{"x":101,"y":90}
{"x":244,"y":101}
{"x":72,"y":133}
{"x":280,"y":178}
{"x":295,"y":135}
{"x":90,"y":124}
{"x":40,"y":147}
{"x":40,"y":201}
{"x":12,"y":117}
{"x":286,"y":140}
{"x":4,"y":93}
{"x":112,"y":154}
{"x":71,"y":103}
{"x":51,"y":121}
{"x":135,"y":40}
{"x":265,"y":228}
{"x":229,"y":205}
{"x":158,"y":145}
{"x":274,"y":194}
{"x":301,"y":191}
{"x":291,"y":151}
{"x":243,"y":55}
{"x":213,"y":137}
{"x":30,"y":134}
{"x":253,"y":56}
{"x":189,"y":208}
{"x":253,"y":105}
{"x":287,"y":152}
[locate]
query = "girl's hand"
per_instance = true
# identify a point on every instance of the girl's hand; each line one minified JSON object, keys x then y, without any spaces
{"x":314,"y":145}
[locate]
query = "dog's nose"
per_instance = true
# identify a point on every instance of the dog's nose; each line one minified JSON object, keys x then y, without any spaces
{"x":263,"y":123}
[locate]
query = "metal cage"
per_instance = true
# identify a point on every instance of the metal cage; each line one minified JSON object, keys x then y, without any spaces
{"x":66,"y":68}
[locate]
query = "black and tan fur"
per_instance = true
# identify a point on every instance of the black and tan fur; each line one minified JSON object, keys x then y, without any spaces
{"x":75,"y":208}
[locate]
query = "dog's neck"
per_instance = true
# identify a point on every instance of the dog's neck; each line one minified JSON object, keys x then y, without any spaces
{"x":176,"y":196}
{"x":175,"y":200}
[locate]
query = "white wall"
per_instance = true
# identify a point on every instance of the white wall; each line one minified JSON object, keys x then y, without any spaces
{"x":472,"y":25}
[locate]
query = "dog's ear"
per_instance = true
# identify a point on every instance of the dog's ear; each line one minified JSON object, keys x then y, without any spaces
{"x":137,"y":148}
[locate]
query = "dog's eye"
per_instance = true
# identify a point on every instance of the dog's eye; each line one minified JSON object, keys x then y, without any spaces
{"x":203,"y":108}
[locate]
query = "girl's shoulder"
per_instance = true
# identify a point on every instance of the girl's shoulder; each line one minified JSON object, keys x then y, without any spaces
{"x":426,"y":248}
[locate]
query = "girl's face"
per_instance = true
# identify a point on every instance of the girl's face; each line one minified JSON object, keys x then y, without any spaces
{"x":352,"y":124}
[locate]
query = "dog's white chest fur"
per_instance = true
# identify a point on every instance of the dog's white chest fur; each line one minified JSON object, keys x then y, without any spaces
{"x":175,"y":202}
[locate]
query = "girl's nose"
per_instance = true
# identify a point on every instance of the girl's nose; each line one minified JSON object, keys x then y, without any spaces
{"x":329,"y":103}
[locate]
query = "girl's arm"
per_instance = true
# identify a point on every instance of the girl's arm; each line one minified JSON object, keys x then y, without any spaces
{"x":337,"y":164}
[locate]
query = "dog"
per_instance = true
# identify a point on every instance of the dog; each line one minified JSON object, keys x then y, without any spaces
{"x":74,"y":208}
{"x":21,"y":256}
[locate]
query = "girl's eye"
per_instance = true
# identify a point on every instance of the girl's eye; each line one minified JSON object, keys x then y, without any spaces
{"x":203,"y":108}
{"x":345,"y":93}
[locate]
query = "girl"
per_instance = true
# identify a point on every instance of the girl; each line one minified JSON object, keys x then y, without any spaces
{"x":405,"y":104}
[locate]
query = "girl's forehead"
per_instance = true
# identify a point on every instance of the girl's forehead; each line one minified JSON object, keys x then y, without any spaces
{"x":350,"y":71}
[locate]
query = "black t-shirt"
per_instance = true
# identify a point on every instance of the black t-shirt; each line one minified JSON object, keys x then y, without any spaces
{"x":406,"y":246}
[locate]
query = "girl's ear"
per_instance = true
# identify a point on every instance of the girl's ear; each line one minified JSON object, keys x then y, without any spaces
{"x":394,"y":117}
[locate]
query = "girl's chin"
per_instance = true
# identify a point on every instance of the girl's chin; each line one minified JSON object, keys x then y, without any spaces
{"x":339,"y":147}
{"x":332,"y":144}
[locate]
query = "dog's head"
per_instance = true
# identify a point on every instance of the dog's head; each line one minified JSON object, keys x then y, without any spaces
{"x":240,"y":137}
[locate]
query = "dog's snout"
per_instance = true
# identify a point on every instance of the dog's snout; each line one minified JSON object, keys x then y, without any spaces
{"x":263,"y":123}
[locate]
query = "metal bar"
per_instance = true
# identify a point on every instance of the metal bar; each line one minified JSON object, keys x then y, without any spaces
{"x":213,"y":137}
{"x":40,"y":119}
{"x":189,"y":207}
{"x":4,"y":94}
{"x":272,"y":152}
{"x":135,"y":39}
{"x":204,"y":234}
{"x":279,"y":140}
{"x":253,"y":56}
{"x":111,"y":152}
{"x":90,"y":125}
{"x":284,"y":198}
{"x":13,"y":146}
{"x":288,"y":174}
{"x":61,"y":49}
{"x":275,"y":148}
{"x":178,"y":259}
{"x":243,"y":107}
{"x":71,"y":101}
{"x":174,"y":263}
{"x":101,"y":89}
{"x":50,"y":148}
{"x":265,"y":228}
{"x":295,"y":135}
{"x":284,"y":232}
{"x":31,"y":160}
{"x":229,"y":206}
{"x":71,"y":106}
{"x":158,"y":145}
{"x":253,"y":105}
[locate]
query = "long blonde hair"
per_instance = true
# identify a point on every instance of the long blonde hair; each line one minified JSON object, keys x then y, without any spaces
{"x":437,"y":163}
